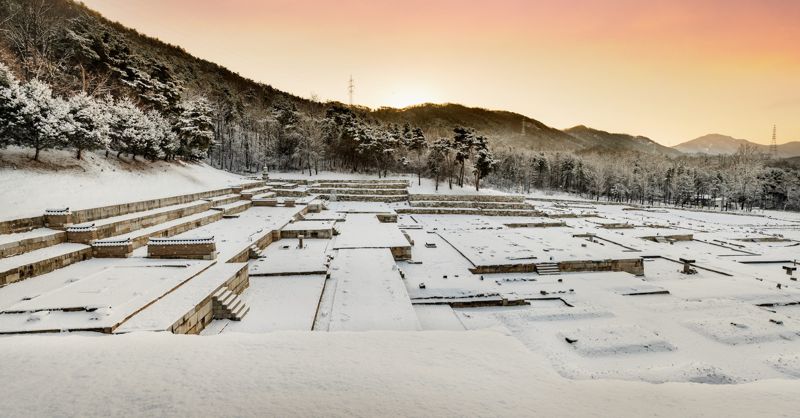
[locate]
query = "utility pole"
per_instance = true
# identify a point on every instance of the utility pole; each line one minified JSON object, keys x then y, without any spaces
{"x":350,"y":89}
{"x":773,"y":147}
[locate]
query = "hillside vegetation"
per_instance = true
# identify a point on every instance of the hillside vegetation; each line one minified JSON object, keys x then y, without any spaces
{"x":74,"y":80}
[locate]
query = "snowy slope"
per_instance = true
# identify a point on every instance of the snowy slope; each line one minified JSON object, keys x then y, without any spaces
{"x":28,"y":188}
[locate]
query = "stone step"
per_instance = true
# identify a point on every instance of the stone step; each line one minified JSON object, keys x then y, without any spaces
{"x":469,"y":204}
{"x":471,"y":198}
{"x":140,"y":237}
{"x":364,"y":198}
{"x":235,"y":207}
{"x":118,"y":225}
{"x":241,"y":313}
{"x":41,"y":261}
{"x":23,"y":242}
{"x":546,"y":269}
{"x":327,"y":185}
{"x":469,"y":211}
{"x":225,"y":199}
{"x":360,"y":191}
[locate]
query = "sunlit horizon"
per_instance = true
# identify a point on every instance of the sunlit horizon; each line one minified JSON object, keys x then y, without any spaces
{"x":671,"y":72}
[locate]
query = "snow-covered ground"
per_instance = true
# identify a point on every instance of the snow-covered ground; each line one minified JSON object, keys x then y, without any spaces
{"x":722,"y":341}
{"x":60,"y":180}
{"x":337,"y":374}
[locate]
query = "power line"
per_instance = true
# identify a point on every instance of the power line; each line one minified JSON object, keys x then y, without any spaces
{"x":773,"y":147}
{"x":351,"y":87}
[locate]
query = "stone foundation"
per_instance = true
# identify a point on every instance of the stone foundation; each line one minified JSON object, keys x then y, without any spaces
{"x":386,"y":217}
{"x":201,"y":248}
{"x":401,"y":253}
{"x":113,"y":249}
{"x":633,"y":266}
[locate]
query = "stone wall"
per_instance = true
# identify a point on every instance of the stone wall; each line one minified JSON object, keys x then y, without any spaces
{"x":472,"y":198}
{"x":632,"y":265}
{"x":13,"y":226}
{"x":87,"y":215}
{"x":30,"y":244}
{"x":44,"y":266}
{"x":194,"y":321}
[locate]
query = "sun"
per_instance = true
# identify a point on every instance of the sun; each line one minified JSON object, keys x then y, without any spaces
{"x":408,"y":96}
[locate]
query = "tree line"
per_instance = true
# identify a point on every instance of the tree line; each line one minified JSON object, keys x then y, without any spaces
{"x":31,"y":115}
{"x":742,"y":181}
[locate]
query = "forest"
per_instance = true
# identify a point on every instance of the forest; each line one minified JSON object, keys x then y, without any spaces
{"x":69,"y":79}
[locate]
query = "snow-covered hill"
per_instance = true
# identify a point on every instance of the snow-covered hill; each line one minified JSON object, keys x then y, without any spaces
{"x":714,"y":144}
{"x":60,"y":180}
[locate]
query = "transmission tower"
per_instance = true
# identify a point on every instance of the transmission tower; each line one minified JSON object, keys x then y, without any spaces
{"x":773,"y":146}
{"x":523,"y":126}
{"x":351,"y":87}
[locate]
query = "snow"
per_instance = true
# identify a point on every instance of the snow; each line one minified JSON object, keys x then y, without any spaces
{"x":365,"y":231}
{"x":165,"y":312}
{"x":63,"y":181}
{"x":369,"y":293}
{"x":282,"y":303}
{"x":337,"y":374}
{"x":94,"y":294}
{"x":57,"y":250}
{"x":285,"y":258}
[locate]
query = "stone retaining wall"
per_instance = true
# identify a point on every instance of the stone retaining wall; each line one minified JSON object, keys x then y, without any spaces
{"x":471,"y":198}
{"x":30,"y":244}
{"x":633,"y":266}
{"x":195,"y":321}
{"x":87,"y":215}
{"x":468,"y":211}
{"x":13,"y":226}
{"x":44,"y":266}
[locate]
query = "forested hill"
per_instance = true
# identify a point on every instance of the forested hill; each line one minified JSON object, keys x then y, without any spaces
{"x":73,"y":48}
{"x":505,"y":128}
{"x":619,"y":142}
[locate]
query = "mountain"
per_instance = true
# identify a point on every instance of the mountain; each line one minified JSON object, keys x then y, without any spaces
{"x":503,"y":127}
{"x":73,"y":48}
{"x":619,"y":142}
{"x":723,"y":144}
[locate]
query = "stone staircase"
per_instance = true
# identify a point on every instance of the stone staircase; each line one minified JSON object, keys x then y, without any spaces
{"x":547,"y":269}
{"x":366,"y":191}
{"x":228,"y":305}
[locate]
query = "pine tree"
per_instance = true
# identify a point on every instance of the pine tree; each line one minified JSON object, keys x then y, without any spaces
{"x":195,"y":128}
{"x":41,"y":122}
{"x":91,"y":123}
{"x":484,"y":160}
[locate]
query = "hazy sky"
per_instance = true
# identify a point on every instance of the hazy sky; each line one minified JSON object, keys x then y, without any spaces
{"x":670,"y":70}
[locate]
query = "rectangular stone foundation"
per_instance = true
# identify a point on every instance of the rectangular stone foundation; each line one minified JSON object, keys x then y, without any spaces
{"x":202,"y":248}
{"x":113,"y":249}
{"x":633,"y":266}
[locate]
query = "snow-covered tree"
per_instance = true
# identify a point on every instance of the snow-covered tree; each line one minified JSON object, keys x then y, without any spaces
{"x":195,"y":128}
{"x":484,"y":160}
{"x":9,"y":104}
{"x":416,"y":142}
{"x":41,"y":122}
{"x":90,"y":120}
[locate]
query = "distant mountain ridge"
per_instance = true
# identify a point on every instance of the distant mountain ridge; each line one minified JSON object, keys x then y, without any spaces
{"x":90,"y":53}
{"x":717,"y":144}
{"x":506,"y":130}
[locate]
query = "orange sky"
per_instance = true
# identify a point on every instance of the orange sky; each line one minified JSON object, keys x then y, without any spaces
{"x":670,"y":70}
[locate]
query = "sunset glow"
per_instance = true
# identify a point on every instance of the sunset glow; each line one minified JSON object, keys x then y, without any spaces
{"x":668,"y":70}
